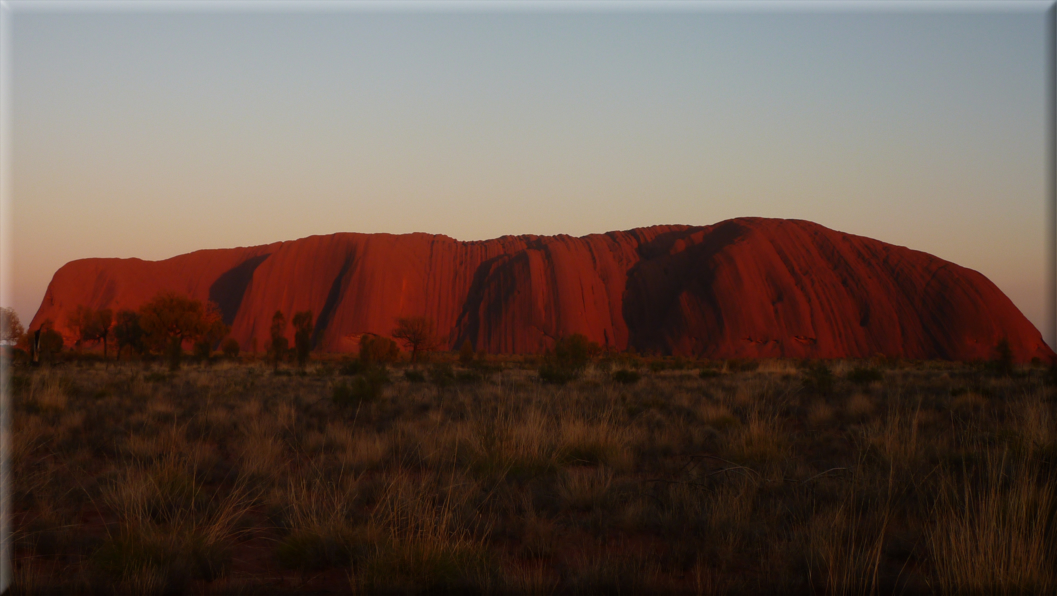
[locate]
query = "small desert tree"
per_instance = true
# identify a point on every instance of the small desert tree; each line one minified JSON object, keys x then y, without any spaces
{"x":128,"y":332}
{"x":79,"y":321}
{"x":466,"y":354}
{"x":279,"y":342}
{"x":568,"y":359}
{"x":416,"y":333}
{"x":230,"y":348}
{"x":169,"y":319}
{"x":10,"y":327}
{"x":49,"y":341}
{"x":375,"y":349}
{"x":213,"y":330}
{"x":89,"y":324}
{"x":1003,"y":358}
{"x":302,"y":336}
{"x":101,"y":324}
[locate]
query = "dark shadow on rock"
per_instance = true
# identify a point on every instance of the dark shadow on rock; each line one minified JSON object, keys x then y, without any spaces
{"x":651,"y":295}
{"x":468,"y":324}
{"x":228,"y":289}
{"x":333,"y":297}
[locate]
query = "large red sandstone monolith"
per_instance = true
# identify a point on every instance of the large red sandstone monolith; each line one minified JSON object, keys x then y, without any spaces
{"x":747,"y":287}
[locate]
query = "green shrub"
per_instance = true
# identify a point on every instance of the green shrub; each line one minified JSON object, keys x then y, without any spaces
{"x":626,"y":377}
{"x":414,"y":376}
{"x":709,"y":373}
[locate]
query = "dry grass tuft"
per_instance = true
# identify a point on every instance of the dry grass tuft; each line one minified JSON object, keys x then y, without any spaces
{"x":994,"y":532}
{"x":859,"y":407}
{"x":845,"y":548}
{"x":820,"y":413}
{"x":585,"y":488}
{"x":968,"y":404}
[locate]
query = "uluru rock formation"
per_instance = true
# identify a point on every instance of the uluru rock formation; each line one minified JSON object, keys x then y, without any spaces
{"x":747,"y":287}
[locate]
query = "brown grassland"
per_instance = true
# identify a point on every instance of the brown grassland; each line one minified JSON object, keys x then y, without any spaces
{"x":229,"y":478}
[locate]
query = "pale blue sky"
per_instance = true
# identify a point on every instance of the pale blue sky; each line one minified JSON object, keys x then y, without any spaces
{"x":153,"y":133}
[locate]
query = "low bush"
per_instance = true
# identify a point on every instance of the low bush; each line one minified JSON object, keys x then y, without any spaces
{"x":375,"y":349}
{"x":466,"y":354}
{"x":468,"y":377}
{"x":414,"y":375}
{"x":739,"y":365}
{"x":568,"y":359}
{"x":818,"y":379}
{"x":442,"y":374}
{"x":555,"y":374}
{"x":230,"y":348}
{"x":676,"y":363}
{"x":363,"y":388}
{"x":482,"y":364}
{"x":626,"y":377}
{"x":1002,"y":363}
{"x":865,"y":376}
{"x":352,"y":367}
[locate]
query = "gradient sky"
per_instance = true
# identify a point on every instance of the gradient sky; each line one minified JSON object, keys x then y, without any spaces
{"x":150,"y":133}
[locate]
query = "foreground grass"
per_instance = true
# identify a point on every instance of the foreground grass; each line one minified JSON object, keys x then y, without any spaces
{"x":920,"y":479}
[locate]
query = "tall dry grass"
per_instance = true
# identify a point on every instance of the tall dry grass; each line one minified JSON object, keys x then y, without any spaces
{"x":234,"y":479}
{"x":994,"y":529}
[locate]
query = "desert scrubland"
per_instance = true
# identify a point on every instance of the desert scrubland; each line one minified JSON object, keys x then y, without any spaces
{"x":698,"y":477}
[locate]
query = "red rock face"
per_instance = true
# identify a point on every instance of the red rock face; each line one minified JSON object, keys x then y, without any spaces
{"x":749,"y":287}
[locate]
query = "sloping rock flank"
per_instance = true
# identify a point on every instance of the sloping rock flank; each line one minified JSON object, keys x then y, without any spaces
{"x":747,"y":287}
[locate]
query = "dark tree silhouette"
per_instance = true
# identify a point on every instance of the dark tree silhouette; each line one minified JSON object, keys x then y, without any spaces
{"x":230,"y":347}
{"x":92,"y":325}
{"x":48,"y":341}
{"x":213,"y":330}
{"x":466,"y":354}
{"x":1003,"y":362}
{"x":128,"y":332}
{"x":302,"y":336}
{"x":377,"y":349}
{"x":170,"y":319}
{"x":416,"y":333}
{"x":279,"y":343}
